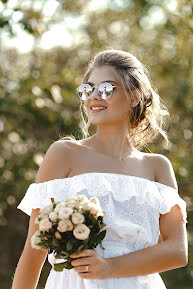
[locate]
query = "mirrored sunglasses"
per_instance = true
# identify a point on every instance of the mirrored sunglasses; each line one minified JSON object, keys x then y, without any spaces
{"x":105,"y":90}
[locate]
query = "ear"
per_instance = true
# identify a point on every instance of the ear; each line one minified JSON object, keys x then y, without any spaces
{"x":137,"y":98}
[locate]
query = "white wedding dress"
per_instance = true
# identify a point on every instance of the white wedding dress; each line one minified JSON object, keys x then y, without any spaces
{"x":133,"y":206}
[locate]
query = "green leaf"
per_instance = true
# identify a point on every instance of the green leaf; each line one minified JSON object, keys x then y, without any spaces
{"x":55,"y":242}
{"x":40,"y":244}
{"x":62,"y":255}
{"x":102,"y":226}
{"x":69,"y":245}
{"x":60,"y":266}
{"x":102,"y":234}
{"x":100,"y":244}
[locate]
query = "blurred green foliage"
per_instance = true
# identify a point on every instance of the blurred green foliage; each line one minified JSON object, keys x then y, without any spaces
{"x":38,"y":102}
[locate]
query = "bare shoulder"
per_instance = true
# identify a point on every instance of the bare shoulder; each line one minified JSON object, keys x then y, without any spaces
{"x":57,"y":161}
{"x":164,"y":172}
{"x":62,"y":147}
{"x":56,"y":164}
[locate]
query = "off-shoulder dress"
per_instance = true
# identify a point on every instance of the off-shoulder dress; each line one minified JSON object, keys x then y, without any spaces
{"x":133,"y":206}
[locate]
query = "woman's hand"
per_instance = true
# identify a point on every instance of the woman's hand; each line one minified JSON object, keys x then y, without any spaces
{"x":98,"y":267}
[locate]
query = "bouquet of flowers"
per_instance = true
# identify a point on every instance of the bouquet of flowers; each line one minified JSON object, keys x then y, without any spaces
{"x":69,"y":226}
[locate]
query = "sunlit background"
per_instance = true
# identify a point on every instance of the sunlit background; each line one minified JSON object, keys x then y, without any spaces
{"x":45,"y":46}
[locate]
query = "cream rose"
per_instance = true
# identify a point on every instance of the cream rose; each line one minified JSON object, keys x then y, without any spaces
{"x":81,"y":198}
{"x":59,"y":206}
{"x":77,"y":218}
{"x":101,"y":213}
{"x":35,"y":240}
{"x":46,"y":210}
{"x":62,"y":226}
{"x":70,"y":204}
{"x":64,"y":213}
{"x":53,"y":216}
{"x":76,"y":204}
{"x":45,"y":224}
{"x":70,"y":225}
{"x":80,"y":210}
{"x":85,"y":205}
{"x":94,"y":209}
{"x":81,"y":232}
{"x":95,"y":201}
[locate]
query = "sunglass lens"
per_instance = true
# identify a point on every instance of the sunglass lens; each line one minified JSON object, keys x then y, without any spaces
{"x":105,"y":90}
{"x":84,"y":90}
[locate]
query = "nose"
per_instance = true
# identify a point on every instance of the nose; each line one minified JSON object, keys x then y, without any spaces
{"x":94,"y":94}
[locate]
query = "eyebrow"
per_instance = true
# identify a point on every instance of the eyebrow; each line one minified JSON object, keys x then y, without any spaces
{"x":88,"y":82}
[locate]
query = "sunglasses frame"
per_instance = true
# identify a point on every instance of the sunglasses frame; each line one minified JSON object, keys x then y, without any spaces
{"x":109,"y":93}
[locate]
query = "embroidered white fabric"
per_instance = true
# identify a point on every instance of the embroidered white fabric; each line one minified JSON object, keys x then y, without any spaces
{"x":133,"y":206}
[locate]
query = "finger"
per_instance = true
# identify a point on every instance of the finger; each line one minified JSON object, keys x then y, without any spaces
{"x":82,"y":261}
{"x":86,"y":275}
{"x":83,"y":253}
{"x":82,"y":269}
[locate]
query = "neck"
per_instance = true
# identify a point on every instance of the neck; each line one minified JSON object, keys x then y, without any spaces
{"x":113,"y":142}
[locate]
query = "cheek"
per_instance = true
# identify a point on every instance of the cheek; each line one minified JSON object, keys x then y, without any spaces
{"x":119,"y":104}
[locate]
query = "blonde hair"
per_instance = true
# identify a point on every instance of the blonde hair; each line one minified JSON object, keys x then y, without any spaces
{"x":146,"y":120}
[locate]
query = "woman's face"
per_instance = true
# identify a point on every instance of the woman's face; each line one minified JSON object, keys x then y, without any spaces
{"x":117,"y":110}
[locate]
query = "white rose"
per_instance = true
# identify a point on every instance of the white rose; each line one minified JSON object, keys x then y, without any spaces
{"x":80,"y":210}
{"x":73,"y":204}
{"x":45,"y":224}
{"x":59,"y":206}
{"x":77,"y":218}
{"x":53,"y":216}
{"x":84,"y":205}
{"x":76,"y":204}
{"x":57,"y":235}
{"x":70,"y":204}
{"x":62,"y":226}
{"x":81,"y":232}
{"x":70,"y":225}
{"x":94,"y":211}
{"x":46,"y":210}
{"x":101,"y":213}
{"x":35,"y":240}
{"x":64,"y":213}
{"x":95,"y":201}
{"x":81,"y":198}
{"x":93,"y":208}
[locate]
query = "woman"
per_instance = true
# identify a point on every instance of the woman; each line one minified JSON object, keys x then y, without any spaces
{"x":137,"y":190}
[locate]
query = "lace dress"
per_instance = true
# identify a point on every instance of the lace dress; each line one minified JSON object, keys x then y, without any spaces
{"x":133,"y":206}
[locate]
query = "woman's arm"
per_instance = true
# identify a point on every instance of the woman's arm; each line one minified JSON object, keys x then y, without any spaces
{"x":31,"y":261}
{"x":166,"y":255}
{"x":55,"y":165}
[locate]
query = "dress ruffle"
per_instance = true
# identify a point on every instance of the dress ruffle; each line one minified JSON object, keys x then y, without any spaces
{"x":169,"y":197}
{"x":98,"y":184}
{"x":37,"y":196}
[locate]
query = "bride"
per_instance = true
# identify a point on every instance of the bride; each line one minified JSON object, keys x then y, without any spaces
{"x":138,"y":190}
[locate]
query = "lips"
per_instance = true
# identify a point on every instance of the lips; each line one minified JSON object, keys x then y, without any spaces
{"x":97,"y":105}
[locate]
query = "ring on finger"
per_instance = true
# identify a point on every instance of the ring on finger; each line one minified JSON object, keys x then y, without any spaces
{"x":86,"y":269}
